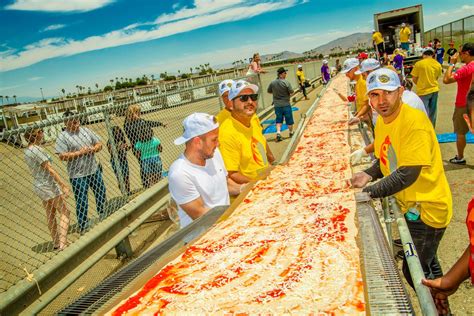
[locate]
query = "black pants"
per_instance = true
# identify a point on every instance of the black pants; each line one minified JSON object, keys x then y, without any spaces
{"x":426,"y":240}
{"x":303,"y":88}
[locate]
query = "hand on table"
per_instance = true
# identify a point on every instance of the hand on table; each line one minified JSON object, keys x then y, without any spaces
{"x":360,"y":179}
{"x":357,"y":155}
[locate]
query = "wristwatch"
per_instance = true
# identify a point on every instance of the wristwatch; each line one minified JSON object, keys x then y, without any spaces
{"x":452,"y":65}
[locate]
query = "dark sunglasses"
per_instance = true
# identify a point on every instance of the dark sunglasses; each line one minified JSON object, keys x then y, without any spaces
{"x":245,"y":97}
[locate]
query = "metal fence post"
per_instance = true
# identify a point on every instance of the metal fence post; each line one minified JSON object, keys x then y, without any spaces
{"x":262,"y":92}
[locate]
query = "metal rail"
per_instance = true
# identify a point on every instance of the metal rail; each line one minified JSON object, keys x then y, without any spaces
{"x":427,"y":305}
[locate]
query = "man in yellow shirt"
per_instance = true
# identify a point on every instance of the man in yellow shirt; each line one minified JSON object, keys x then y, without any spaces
{"x":224,"y":88}
{"x":425,"y":75}
{"x":409,"y":163}
{"x":405,"y":37}
{"x":301,"y":80}
{"x":377,"y":40}
{"x":244,"y":148}
{"x":350,"y":67}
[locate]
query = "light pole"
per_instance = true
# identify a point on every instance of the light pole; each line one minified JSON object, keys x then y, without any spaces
{"x":42,"y":96}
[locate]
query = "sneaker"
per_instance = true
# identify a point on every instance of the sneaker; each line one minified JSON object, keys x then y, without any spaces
{"x":397,"y":242}
{"x":400,"y":254}
{"x":457,"y":161}
{"x":279,"y":139}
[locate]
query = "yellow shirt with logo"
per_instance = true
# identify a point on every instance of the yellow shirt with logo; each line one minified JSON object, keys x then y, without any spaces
{"x":427,"y":71}
{"x":361,"y":93}
{"x":410,"y":140}
{"x":405,"y":34}
{"x":377,"y":38}
{"x":244,"y":149}
{"x":300,"y":75}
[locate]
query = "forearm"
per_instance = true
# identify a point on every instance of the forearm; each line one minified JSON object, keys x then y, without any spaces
{"x":155,"y":123}
{"x":363,"y":110}
{"x":238,"y":177}
{"x":270,"y":156}
{"x":55,"y":175}
{"x":397,"y":181}
{"x":369,"y":149}
{"x":448,"y":75}
{"x":233,"y":187}
{"x":68,"y":156}
{"x":459,"y":271}
{"x":374,"y":170}
{"x":97,"y":147}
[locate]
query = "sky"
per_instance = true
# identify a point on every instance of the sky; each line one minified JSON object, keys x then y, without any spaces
{"x":51,"y":45}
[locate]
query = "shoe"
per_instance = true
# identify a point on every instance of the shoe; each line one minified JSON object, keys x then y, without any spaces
{"x":400,"y":255}
{"x":457,"y":161}
{"x":279,"y":139}
{"x":291,"y":134}
{"x":397,"y":242}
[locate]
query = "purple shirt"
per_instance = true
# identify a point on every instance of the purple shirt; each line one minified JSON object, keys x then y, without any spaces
{"x":325,"y":73}
{"x":398,"y":62}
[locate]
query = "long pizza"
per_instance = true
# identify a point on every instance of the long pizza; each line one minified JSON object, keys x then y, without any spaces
{"x":289,"y":247}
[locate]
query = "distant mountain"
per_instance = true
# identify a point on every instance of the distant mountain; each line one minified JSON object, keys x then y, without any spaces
{"x":351,"y":42}
{"x":280,"y":56}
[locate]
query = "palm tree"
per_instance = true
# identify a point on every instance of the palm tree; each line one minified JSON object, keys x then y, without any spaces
{"x":6,"y":97}
{"x":64,"y":92}
{"x":152,"y":77}
{"x":15,"y":99}
{"x":191,"y":70}
{"x":97,"y":86}
{"x":1,"y":97}
{"x":77,"y":87}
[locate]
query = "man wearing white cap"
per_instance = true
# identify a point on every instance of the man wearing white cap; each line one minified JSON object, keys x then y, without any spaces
{"x":224,"y":88}
{"x":351,"y":65}
{"x":244,"y":148}
{"x":301,"y":80}
{"x":405,"y":33}
{"x":410,"y":165}
{"x":198,"y":178}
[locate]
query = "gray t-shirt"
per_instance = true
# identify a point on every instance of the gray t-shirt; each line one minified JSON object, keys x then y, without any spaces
{"x":70,"y":142}
{"x":35,"y":156}
{"x":281,"y":90}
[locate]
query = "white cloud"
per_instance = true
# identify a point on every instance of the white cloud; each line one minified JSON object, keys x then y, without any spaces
{"x":58,"y":5}
{"x":205,"y":13}
{"x":35,"y":78}
{"x":53,"y":27}
{"x":435,"y":19}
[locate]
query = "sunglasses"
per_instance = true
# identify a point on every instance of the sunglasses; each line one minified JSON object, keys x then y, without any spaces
{"x":245,"y":97}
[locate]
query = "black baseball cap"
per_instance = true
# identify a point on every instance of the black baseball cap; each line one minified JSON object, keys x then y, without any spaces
{"x":281,"y":70}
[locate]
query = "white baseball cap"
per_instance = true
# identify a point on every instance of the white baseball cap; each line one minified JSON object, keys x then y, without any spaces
{"x":240,"y":85}
{"x":427,"y":49}
{"x":367,"y":65}
{"x":225,"y":86}
{"x":196,"y":124}
{"x":349,"y":63}
{"x":325,"y":61}
{"x":403,"y":25}
{"x":300,"y":66}
{"x":384,"y":79}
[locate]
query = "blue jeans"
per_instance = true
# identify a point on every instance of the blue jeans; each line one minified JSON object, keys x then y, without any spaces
{"x":405,"y":46}
{"x":431,"y":105}
{"x":426,"y":240}
{"x":80,"y":186}
{"x":284,"y":112}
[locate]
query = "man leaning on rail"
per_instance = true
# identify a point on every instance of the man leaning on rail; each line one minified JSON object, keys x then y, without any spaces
{"x":410,"y":167}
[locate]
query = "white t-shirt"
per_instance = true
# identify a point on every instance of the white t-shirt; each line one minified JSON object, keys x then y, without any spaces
{"x":410,"y":98}
{"x":188,"y":182}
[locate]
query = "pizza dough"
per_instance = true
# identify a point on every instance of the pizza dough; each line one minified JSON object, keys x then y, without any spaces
{"x":289,"y":247}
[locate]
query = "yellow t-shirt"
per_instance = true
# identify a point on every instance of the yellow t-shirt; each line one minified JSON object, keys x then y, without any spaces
{"x":244,"y":149}
{"x":361,"y":93}
{"x":405,"y":34}
{"x":410,"y":140}
{"x":377,"y":38}
{"x":300,"y":74}
{"x":427,"y":71}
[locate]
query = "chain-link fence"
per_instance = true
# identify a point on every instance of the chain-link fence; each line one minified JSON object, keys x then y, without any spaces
{"x":62,"y":175}
{"x":460,"y":32}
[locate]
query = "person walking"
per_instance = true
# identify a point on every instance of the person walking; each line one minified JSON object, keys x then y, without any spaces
{"x":77,"y":146}
{"x":135,"y":127}
{"x":404,"y":34}
{"x":463,"y":78}
{"x":301,"y":81}
{"x":242,"y":144}
{"x":425,"y":75}
{"x":122,"y":147}
{"x":281,"y":90}
{"x":410,"y":167}
{"x":198,"y":180}
{"x":325,"y":73}
{"x":439,"y":51}
{"x":49,"y":186}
